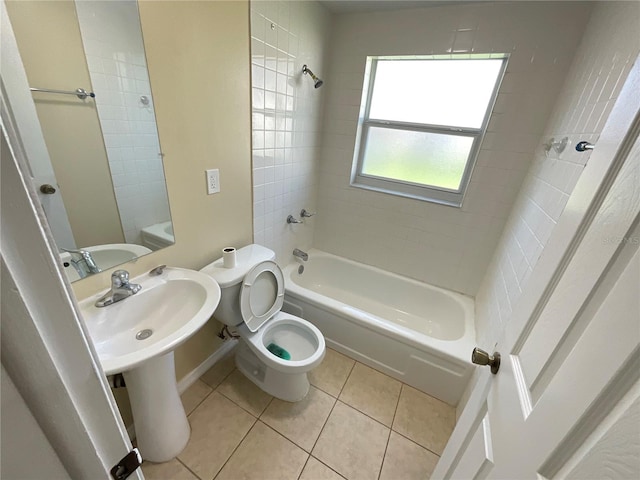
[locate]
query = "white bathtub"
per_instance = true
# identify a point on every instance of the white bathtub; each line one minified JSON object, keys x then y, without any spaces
{"x":420,"y":334}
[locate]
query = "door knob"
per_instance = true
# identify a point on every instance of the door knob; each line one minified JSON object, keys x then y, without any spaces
{"x":480,"y":357}
{"x":47,"y":189}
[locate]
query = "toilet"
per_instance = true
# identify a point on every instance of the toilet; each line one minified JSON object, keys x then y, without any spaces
{"x":276,"y":349}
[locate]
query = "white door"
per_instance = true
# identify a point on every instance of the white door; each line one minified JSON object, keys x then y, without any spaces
{"x":16,"y":87}
{"x":566,"y":400}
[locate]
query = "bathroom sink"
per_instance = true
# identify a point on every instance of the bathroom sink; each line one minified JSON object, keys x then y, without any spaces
{"x":169,"y":309}
{"x":105,"y":256}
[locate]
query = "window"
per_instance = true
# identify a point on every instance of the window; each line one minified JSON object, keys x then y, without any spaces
{"x":421,"y":123}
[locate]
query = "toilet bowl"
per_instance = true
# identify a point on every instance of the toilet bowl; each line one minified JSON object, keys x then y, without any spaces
{"x":276,"y":349}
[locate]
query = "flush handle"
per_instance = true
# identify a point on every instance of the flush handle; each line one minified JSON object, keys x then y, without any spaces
{"x":480,"y":357}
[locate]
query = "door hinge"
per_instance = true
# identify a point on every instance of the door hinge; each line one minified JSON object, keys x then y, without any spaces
{"x":125,"y":467}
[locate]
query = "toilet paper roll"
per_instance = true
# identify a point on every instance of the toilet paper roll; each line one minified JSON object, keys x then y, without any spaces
{"x":229,"y":257}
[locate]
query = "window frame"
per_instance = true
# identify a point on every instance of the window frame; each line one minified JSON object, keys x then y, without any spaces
{"x":403,"y":188}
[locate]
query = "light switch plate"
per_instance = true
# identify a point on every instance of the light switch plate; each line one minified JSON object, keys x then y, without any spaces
{"x":213,"y":181}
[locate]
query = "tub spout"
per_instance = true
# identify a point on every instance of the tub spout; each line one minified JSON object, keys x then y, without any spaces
{"x":300,"y":254}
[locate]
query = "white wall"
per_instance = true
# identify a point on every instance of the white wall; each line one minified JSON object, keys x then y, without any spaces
{"x":445,"y":246}
{"x":286,"y":119}
{"x":610,"y":46}
{"x":115,"y":56}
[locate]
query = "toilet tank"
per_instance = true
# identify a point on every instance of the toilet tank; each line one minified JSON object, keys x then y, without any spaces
{"x":230,"y":280}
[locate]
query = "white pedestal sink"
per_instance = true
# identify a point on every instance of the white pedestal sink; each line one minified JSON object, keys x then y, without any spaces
{"x":137,"y":337}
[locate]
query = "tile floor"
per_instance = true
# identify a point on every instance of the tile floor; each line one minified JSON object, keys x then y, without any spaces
{"x":355,"y":423}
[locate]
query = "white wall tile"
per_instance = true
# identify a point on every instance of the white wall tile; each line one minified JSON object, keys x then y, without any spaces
{"x":446,"y":246}
{"x":287,"y":119}
{"x":599,"y":68}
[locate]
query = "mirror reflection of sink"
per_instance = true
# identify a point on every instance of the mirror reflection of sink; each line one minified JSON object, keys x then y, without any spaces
{"x":137,"y":336}
{"x":158,"y":236}
{"x":105,"y":257}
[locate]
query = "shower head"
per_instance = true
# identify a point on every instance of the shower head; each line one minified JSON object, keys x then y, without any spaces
{"x":317,"y":83}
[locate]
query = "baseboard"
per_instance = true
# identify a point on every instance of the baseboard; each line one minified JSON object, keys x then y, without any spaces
{"x":191,"y":377}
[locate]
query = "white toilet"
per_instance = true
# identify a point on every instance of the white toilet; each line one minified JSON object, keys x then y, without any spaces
{"x":276,"y":350}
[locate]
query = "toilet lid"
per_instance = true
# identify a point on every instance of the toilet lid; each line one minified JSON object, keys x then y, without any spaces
{"x":262,"y":294}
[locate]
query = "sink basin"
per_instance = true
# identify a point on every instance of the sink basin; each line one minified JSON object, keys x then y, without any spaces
{"x":137,"y":336}
{"x":167,"y":311}
{"x":106,"y":256}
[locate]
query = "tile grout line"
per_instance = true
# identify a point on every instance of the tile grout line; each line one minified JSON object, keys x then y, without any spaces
{"x":237,"y":446}
{"x":213,"y":389}
{"x":416,"y":443}
{"x":395,"y":411}
{"x":401,"y":434}
{"x":332,"y":469}
{"x":201,"y":401}
{"x":256,"y":419}
{"x":282,"y":434}
{"x":332,"y":408}
{"x":304,"y":466}
{"x":409,"y":438}
{"x":240,"y":406}
{"x":288,"y":440}
{"x":185,"y":466}
{"x":344,"y":402}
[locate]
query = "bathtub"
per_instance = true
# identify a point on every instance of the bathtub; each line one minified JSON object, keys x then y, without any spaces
{"x":420,"y":334}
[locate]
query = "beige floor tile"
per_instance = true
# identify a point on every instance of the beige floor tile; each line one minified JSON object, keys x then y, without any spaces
{"x":171,"y":470}
{"x":194,"y":395}
{"x":331,"y":374}
{"x":245,"y":393}
{"x":352,"y":444}
{"x":407,"y":460}
{"x":372,"y":392}
{"x":264,"y":455}
{"x":221,"y":370}
{"x":316,"y":470}
{"x":424,"y":419}
{"x":301,"y":422}
{"x":217,"y":427}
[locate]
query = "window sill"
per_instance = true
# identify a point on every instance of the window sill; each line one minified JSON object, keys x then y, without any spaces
{"x":422,"y":198}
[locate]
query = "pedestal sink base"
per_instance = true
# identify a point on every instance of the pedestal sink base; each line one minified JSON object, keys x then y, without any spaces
{"x":162,"y":428}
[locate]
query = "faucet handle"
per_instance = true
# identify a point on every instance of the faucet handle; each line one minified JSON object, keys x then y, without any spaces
{"x":120,"y":281}
{"x":119,"y":278}
{"x":304,"y":213}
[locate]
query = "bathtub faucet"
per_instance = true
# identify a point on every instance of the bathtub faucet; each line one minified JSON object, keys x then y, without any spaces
{"x":300,"y":254}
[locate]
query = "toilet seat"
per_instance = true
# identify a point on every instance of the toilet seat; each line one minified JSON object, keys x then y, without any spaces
{"x":258,"y":305}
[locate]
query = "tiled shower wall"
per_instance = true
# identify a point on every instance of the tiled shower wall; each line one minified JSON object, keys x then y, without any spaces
{"x":286,"y":119}
{"x":119,"y":77}
{"x":610,"y":46}
{"x":445,"y":246}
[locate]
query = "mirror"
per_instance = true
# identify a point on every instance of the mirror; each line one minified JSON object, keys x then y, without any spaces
{"x":104,"y":190}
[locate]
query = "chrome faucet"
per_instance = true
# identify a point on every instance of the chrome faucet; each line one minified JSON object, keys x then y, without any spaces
{"x":120,"y":289}
{"x":300,"y":254}
{"x":83,"y":262}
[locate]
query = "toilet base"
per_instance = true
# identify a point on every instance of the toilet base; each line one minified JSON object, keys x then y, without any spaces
{"x":288,"y":387}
